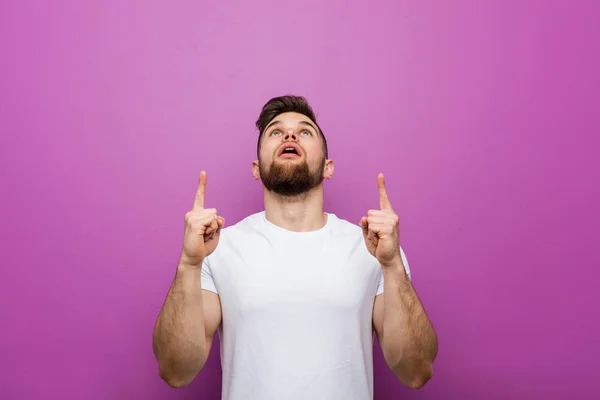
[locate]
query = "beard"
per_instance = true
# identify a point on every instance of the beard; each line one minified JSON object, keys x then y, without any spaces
{"x":290,"y":178}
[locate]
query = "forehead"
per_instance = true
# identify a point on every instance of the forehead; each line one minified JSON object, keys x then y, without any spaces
{"x":290,"y":119}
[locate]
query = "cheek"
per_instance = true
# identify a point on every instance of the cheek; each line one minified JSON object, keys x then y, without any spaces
{"x":267,"y":149}
{"x":315,"y":153}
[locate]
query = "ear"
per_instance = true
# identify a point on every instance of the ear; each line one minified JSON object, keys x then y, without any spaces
{"x":255,"y":170}
{"x":328,"y":171}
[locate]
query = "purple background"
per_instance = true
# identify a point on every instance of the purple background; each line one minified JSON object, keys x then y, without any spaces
{"x":484,"y":116}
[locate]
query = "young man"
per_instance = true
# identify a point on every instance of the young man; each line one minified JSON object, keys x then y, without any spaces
{"x":294,"y":292}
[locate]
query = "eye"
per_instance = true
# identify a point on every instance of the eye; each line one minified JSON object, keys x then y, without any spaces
{"x":306,"y":132}
{"x":275,"y":132}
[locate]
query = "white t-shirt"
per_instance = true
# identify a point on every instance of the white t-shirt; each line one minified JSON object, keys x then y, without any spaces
{"x":297,"y":310}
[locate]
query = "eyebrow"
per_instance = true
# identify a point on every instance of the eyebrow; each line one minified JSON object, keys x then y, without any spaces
{"x":301,"y":122}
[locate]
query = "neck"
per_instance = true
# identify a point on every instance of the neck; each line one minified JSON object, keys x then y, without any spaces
{"x":302,"y":213}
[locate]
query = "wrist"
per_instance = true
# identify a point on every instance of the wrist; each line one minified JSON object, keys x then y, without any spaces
{"x":187,"y":264}
{"x":188,"y":276}
{"x":394,"y":264}
{"x":395,"y":271}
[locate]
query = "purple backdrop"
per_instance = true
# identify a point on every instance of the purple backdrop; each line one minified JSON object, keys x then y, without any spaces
{"x":484,"y":116}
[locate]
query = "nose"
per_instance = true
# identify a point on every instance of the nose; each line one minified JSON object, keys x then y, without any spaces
{"x":290,"y":135}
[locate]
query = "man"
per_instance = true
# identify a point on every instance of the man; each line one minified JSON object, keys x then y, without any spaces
{"x":294,"y":292}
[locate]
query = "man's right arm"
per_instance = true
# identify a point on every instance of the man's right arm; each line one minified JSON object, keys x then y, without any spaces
{"x":190,"y":316}
{"x":185,"y":327}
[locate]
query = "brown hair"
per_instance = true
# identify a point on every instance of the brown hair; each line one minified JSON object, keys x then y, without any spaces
{"x":283,"y":104}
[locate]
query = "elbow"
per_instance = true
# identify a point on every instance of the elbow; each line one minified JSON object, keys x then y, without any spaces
{"x":176,"y":379}
{"x":419,"y":381}
{"x":418,"y":378}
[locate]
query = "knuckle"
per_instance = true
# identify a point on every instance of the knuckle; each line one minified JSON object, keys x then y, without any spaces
{"x":191,"y":218}
{"x":195,"y":225}
{"x":190,"y":223}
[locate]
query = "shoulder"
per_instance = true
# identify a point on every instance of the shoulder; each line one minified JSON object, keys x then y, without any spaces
{"x":343,"y":227}
{"x":238,"y":233}
{"x":232,"y":237}
{"x":346,"y":229}
{"x":246,"y":225}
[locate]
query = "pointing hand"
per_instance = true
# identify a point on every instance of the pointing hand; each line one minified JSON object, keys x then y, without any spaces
{"x":381,"y":230}
{"x":202,"y":229}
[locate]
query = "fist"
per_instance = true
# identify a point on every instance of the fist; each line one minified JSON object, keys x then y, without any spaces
{"x":202,"y":229}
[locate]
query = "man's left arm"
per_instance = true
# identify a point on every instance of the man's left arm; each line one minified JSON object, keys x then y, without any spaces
{"x":405,"y":333}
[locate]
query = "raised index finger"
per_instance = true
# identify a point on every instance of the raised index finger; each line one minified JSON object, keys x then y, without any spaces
{"x":384,"y":201}
{"x":200,"y":193}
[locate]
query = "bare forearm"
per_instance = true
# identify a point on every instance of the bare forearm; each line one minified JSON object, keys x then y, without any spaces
{"x":179,"y":335}
{"x":409,"y":341}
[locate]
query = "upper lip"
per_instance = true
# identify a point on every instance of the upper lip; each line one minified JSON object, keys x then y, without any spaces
{"x":287,"y":145}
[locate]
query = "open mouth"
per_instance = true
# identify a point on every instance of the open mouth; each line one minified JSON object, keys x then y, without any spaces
{"x":289,"y":152}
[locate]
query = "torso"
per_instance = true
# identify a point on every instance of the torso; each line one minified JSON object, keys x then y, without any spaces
{"x":297,"y":311}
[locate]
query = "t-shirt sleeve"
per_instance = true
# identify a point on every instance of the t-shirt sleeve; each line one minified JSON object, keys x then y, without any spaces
{"x":406,"y":268}
{"x":206,"y":278}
